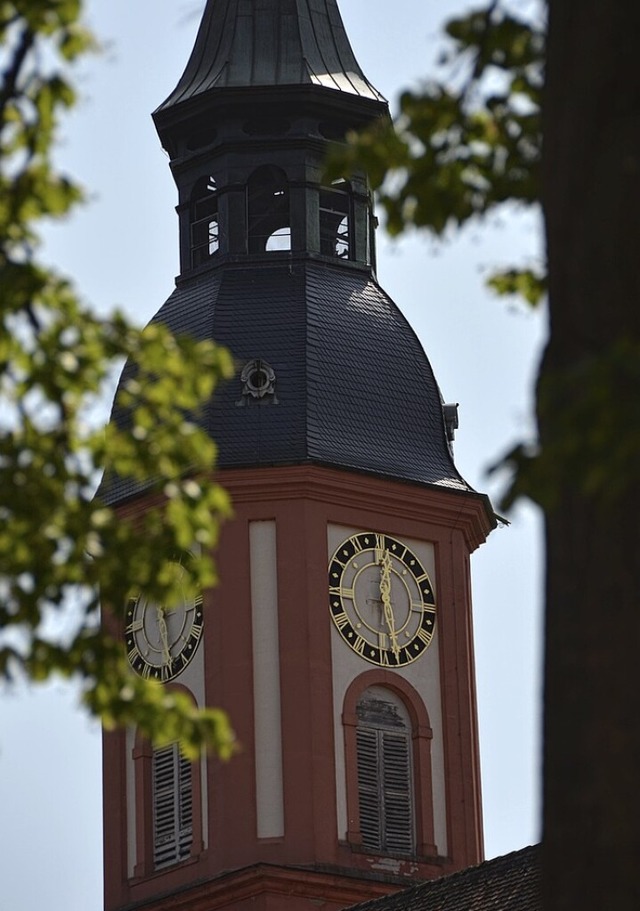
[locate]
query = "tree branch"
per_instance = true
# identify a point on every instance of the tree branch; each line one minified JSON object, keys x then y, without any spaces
{"x":12,"y":73}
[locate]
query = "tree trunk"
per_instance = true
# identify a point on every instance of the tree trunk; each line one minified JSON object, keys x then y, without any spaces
{"x":589,"y":414}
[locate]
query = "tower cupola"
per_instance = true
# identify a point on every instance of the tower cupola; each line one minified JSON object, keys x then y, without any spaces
{"x":278,"y":265}
{"x":269,"y":84}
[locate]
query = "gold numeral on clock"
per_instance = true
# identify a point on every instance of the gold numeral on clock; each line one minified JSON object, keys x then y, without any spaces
{"x":341,"y":620}
{"x":359,"y":645}
{"x":134,"y":655}
{"x":424,"y":636}
{"x":340,"y":592}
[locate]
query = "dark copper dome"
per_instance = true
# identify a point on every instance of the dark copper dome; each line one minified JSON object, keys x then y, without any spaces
{"x":271,"y":42}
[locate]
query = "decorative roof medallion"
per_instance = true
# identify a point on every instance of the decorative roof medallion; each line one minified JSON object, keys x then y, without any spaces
{"x":258,"y":383}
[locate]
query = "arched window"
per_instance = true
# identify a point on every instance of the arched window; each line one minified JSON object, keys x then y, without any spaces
{"x":385,"y":775}
{"x":387,"y":740}
{"x":172,"y":806}
{"x":336,"y":220}
{"x":205,"y":228}
{"x":268,"y":211}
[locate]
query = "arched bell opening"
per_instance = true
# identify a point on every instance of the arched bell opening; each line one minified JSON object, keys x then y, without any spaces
{"x":269,"y":211}
{"x":204,"y":221}
{"x":336,"y":220}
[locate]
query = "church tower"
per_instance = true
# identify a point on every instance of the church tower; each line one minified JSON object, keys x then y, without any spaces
{"x":340,"y":637}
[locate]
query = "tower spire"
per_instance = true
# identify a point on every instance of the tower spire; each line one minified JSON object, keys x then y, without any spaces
{"x":271,"y":43}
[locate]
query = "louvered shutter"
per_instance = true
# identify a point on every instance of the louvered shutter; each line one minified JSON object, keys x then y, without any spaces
{"x":185,"y":810}
{"x":172,"y":806}
{"x":369,"y":792}
{"x":396,"y":792}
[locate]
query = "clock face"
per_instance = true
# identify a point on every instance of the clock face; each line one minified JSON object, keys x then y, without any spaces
{"x":381,"y":599}
{"x":160,"y":641}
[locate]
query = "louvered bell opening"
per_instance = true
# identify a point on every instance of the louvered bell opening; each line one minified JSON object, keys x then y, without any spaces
{"x":172,"y":807}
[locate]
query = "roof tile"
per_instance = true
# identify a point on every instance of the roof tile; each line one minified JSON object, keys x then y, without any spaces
{"x":508,"y":883}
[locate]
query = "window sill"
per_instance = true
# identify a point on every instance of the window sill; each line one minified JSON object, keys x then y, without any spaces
{"x":143,"y":876}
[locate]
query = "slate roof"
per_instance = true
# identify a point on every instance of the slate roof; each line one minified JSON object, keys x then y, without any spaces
{"x":250,"y":43}
{"x":354,"y":387}
{"x":509,"y":883}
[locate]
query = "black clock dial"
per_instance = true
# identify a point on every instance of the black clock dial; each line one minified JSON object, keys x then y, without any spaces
{"x":381,"y":599}
{"x":161,"y":642}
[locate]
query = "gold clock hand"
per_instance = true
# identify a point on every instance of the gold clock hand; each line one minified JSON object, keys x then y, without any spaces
{"x":385,"y":595}
{"x":164,"y":635}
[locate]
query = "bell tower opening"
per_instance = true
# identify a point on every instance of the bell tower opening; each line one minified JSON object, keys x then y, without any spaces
{"x":336,"y":220}
{"x":204,"y":223}
{"x":268,"y":207}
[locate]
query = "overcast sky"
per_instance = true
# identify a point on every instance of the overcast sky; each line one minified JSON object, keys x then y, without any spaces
{"x":122,"y":249}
